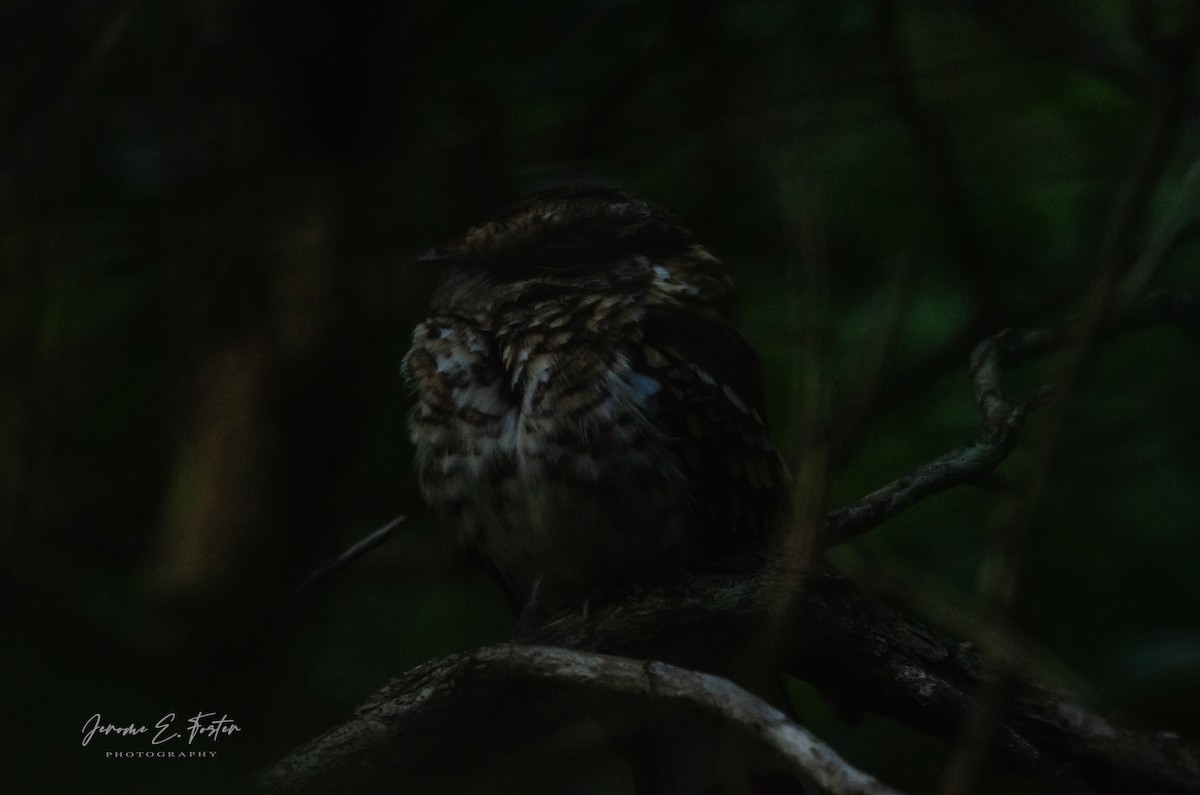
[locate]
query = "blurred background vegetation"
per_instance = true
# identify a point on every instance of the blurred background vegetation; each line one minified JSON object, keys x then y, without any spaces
{"x":206,"y":208}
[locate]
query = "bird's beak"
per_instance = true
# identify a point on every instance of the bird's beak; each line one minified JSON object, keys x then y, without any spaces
{"x":433,"y":255}
{"x":441,"y":255}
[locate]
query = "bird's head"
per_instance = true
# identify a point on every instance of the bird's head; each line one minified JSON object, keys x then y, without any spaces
{"x":576,"y":238}
{"x":566,"y":227}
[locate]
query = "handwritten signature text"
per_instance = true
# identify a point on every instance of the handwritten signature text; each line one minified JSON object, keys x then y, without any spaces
{"x":203,"y":725}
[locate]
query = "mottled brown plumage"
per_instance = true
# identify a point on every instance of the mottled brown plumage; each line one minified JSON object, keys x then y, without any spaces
{"x":587,"y":412}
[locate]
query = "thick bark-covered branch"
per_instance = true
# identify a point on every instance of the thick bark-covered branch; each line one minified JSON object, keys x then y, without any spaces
{"x":842,"y":641}
{"x":481,"y":682}
{"x":869,"y":654}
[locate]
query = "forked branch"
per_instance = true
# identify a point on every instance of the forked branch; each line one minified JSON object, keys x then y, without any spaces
{"x":1000,"y":419}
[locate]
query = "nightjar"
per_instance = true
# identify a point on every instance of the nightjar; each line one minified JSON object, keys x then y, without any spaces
{"x":588,"y":414}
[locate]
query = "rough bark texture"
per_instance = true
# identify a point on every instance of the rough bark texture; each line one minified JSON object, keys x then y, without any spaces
{"x":481,"y":705}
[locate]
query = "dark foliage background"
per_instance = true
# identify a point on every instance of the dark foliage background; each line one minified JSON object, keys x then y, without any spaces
{"x":205,"y":213}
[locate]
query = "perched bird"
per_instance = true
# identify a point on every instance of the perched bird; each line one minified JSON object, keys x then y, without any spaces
{"x":588,"y":413}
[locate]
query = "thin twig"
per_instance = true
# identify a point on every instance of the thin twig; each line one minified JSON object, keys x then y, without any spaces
{"x":333,"y":565}
{"x":938,"y":157}
{"x":1170,"y":228}
{"x":1000,"y":419}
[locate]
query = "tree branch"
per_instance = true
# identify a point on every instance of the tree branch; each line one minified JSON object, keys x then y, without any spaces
{"x":1000,"y":419}
{"x":489,"y":675}
{"x":500,"y":697}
